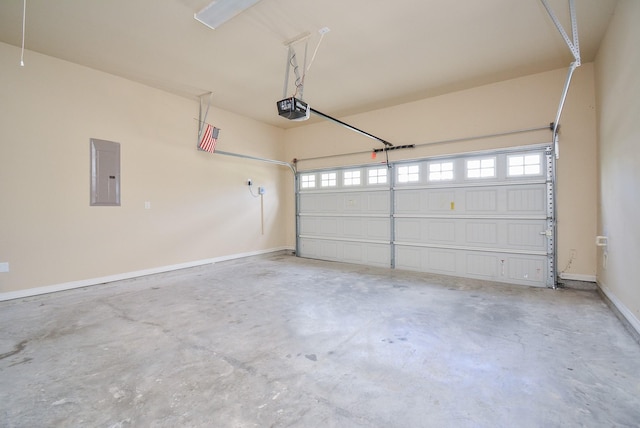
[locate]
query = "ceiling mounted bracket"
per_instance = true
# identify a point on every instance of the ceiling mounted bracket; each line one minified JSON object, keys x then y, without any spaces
{"x":574,"y":47}
{"x":292,"y":63}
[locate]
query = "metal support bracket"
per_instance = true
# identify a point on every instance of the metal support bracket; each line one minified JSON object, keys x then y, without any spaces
{"x":574,"y":47}
{"x":292,"y":63}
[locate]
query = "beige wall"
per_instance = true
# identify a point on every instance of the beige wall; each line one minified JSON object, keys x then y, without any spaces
{"x":523,"y":103}
{"x":201,"y":207}
{"x":618,"y":96}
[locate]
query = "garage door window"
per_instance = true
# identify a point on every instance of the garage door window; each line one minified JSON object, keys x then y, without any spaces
{"x":481,"y":168}
{"x":441,"y":171}
{"x":308,"y":181}
{"x":408,"y":174}
{"x":519,"y":165}
{"x":328,"y":179}
{"x":351,"y":178}
{"x":378,"y":176}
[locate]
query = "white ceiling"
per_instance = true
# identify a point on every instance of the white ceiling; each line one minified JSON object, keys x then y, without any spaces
{"x":378,"y":52}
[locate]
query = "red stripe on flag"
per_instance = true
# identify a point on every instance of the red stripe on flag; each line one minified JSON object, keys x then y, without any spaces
{"x":207,"y":142}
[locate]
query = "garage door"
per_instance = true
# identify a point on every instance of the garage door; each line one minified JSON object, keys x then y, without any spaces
{"x":344,"y":215}
{"x":480,"y":215}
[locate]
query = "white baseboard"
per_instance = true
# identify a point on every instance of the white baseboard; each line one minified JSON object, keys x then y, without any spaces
{"x":19,"y":294}
{"x":624,"y":311}
{"x":578,"y":277}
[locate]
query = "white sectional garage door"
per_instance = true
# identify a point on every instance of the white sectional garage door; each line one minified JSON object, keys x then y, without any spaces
{"x":483,"y":215}
{"x":347,"y":222}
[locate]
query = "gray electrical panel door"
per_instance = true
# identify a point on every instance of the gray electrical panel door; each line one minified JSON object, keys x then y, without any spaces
{"x":105,"y":172}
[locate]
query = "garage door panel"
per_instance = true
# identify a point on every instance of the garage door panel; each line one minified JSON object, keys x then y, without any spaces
{"x":345,"y":203}
{"x":522,"y":269}
{"x":481,"y":232}
{"x":365,"y":202}
{"x":378,"y":202}
{"x":527,"y":199}
{"x":345,"y":227}
{"x":345,"y":251}
{"x":328,"y":226}
{"x":366,"y":228}
{"x":497,"y":234}
{"x":480,"y":265}
{"x":306,"y":203}
{"x":408,"y":230}
{"x":351,"y":202}
{"x":378,"y":255}
{"x":527,"y":234}
{"x":438,"y":201}
{"x":407,"y":201}
{"x":309,"y":248}
{"x":481,"y":200}
{"x":425,"y":230}
{"x":424,"y":201}
{"x":526,"y":269}
{"x":378,"y":228}
{"x":501,"y":200}
{"x":442,"y":261}
{"x":354,"y":227}
{"x":307,"y":226}
{"x":409,"y":258}
{"x":316,"y":202}
{"x":353,"y":253}
{"x":329,"y":250}
{"x":422,"y":259}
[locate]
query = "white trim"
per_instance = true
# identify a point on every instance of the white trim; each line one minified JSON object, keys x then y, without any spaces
{"x":578,"y":277}
{"x":624,"y":311}
{"x":18,"y":294}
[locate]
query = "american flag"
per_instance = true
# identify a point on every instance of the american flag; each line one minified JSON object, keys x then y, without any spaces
{"x":209,"y":139}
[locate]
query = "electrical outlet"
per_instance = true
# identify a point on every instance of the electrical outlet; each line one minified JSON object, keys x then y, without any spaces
{"x":261,"y":190}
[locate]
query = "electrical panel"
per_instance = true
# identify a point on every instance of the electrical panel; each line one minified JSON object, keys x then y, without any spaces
{"x":105,"y":172}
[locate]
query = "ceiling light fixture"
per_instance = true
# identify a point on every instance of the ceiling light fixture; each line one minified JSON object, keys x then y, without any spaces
{"x":220,"y":11}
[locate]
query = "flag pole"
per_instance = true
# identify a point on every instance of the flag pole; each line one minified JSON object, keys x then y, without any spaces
{"x":203,"y":119}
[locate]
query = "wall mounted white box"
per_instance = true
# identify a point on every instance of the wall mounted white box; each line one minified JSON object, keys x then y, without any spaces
{"x":4,"y":267}
{"x":105,"y":172}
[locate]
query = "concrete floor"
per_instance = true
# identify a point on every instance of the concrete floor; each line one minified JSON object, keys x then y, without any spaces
{"x":279,"y":341}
